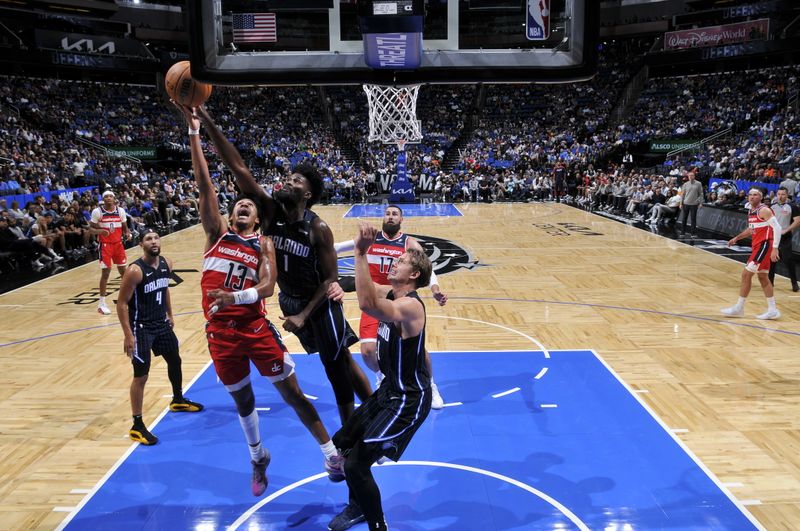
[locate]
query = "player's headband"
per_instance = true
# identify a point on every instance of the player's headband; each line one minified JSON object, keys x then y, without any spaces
{"x":756,"y":191}
{"x":147,"y":231}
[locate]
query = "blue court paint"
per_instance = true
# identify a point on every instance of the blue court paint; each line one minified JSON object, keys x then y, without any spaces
{"x":409,"y":211}
{"x":599,"y":455}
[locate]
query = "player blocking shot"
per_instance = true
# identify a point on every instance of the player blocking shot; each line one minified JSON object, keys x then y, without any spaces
{"x":389,"y":244}
{"x":239,"y":272}
{"x":144,"y":309}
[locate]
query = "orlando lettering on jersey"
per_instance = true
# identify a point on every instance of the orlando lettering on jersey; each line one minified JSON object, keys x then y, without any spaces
{"x":290,"y":246}
{"x":156,"y":284}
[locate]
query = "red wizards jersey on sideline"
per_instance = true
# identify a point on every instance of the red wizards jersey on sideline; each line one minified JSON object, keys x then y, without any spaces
{"x":231,"y":264}
{"x":110,"y":221}
{"x":761,"y":229}
{"x":382,"y":254}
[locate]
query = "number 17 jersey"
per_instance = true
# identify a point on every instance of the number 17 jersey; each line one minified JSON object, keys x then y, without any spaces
{"x":231,"y":264}
{"x":382,"y":254}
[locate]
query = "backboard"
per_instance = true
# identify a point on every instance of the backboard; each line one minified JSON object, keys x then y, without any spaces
{"x":392,"y":42}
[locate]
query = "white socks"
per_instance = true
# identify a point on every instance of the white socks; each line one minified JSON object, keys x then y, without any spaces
{"x":741,"y":302}
{"x":251,"y":433}
{"x":102,"y":300}
{"x":771,"y":303}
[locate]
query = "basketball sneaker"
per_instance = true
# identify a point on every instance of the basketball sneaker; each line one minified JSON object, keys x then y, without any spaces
{"x":350,"y":516}
{"x":185,"y":405}
{"x":141,"y":435}
{"x":335,"y":468}
{"x":733,"y":311}
{"x":436,"y":401}
{"x":103,"y":310}
{"x":770,"y":314}
{"x":259,"y":482}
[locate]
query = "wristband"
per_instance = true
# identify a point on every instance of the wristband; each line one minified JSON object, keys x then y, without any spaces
{"x":194,"y":132}
{"x":248,"y":296}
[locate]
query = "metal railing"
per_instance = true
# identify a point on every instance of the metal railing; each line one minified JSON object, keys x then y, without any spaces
{"x":700,"y":143}
{"x":106,"y":151}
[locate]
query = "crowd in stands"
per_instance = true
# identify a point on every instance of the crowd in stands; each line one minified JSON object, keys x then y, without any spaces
{"x":520,"y":133}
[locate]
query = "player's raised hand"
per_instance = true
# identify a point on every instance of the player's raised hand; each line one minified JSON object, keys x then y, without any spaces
{"x":189,"y":114}
{"x":365,"y":237}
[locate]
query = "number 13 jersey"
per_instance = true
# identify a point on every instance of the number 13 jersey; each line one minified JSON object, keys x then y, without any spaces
{"x":231,"y":264}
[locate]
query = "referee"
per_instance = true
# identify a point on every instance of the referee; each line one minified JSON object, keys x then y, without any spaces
{"x":144,"y":310}
{"x":788,"y":215}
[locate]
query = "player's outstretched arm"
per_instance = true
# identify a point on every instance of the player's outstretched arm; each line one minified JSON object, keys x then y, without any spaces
{"x":213,"y":223}
{"x":233,"y":159}
{"x":131,"y":278}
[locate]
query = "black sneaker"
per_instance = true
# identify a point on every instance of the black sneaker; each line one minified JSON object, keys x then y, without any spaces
{"x":350,"y":516}
{"x":259,"y":481}
{"x":185,"y":405}
{"x":142,"y":436}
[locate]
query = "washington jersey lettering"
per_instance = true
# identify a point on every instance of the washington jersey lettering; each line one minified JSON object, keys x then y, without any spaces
{"x":111,"y":221}
{"x":299,"y":272}
{"x":148,"y":306}
{"x":762,"y":232}
{"x":382,"y":254}
{"x":231,"y":264}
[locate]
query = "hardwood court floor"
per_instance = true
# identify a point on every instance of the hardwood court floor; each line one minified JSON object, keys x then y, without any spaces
{"x":564,"y":277}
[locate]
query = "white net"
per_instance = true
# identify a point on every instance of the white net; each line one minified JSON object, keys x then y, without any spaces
{"x":393,"y":114}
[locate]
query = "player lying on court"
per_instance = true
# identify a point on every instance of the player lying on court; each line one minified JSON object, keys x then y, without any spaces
{"x":390,"y":243}
{"x":765,"y":230}
{"x":238,"y":273}
{"x":385,"y":423}
{"x":144,"y":309}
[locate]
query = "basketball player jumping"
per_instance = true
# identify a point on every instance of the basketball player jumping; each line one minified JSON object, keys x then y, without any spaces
{"x":238,"y":273}
{"x":110,"y":222}
{"x":765,"y":230}
{"x":385,"y":423}
{"x":307,"y":265}
{"x":390,"y":243}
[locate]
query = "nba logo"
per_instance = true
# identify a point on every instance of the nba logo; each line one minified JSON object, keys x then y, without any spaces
{"x":537,"y":26}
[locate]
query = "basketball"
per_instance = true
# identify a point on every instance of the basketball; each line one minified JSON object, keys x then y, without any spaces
{"x":182,"y":88}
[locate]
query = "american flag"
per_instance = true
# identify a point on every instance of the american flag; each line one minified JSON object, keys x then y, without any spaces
{"x":254,"y":27}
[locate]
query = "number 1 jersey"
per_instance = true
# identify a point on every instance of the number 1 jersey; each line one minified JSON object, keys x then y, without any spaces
{"x":231,"y":264}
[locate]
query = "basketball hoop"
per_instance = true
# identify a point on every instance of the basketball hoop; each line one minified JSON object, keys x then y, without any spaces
{"x":393,"y":114}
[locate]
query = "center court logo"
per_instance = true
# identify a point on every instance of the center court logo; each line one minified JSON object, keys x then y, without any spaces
{"x":446,"y":256}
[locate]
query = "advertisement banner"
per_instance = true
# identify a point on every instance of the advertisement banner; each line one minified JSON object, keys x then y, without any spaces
{"x":752,"y":30}
{"x":393,"y":50}
{"x":94,"y":44}
{"x":402,"y":190}
{"x":666,"y":145}
{"x":130,"y":151}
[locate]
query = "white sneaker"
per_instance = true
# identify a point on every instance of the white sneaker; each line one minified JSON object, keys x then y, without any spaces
{"x":733,"y":311}
{"x":769,"y":315}
{"x":436,"y":401}
{"x":103,"y":309}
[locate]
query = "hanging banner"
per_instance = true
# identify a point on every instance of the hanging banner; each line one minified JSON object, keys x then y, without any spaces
{"x":752,"y":30}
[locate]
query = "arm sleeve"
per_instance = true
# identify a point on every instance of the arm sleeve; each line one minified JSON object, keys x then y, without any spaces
{"x":776,"y":231}
{"x":434,"y":281}
{"x":344,"y":247}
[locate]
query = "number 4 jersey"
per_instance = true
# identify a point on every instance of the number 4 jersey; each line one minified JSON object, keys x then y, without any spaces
{"x":231,"y":264}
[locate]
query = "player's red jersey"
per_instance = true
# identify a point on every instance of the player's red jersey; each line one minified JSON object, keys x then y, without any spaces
{"x":382,"y":254}
{"x":231,"y":264}
{"x":110,"y":221}
{"x":762,"y":231}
